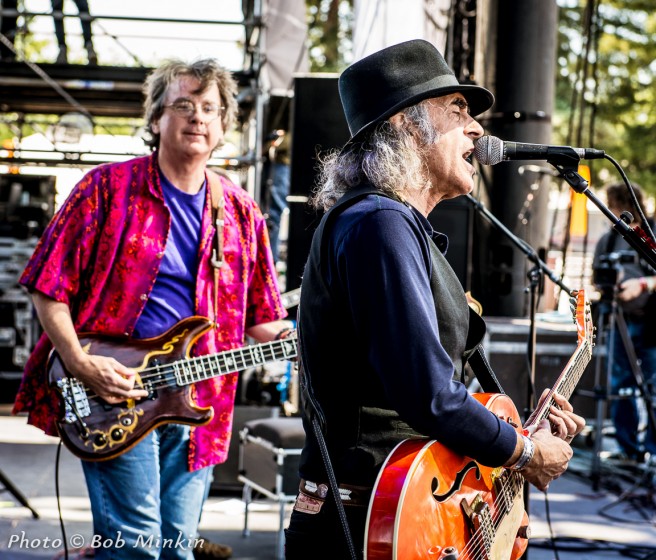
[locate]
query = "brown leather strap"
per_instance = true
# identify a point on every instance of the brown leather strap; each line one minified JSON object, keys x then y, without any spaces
{"x":218,"y":212}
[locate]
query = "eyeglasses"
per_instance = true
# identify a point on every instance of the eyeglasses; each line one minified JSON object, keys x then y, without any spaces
{"x":186,"y":109}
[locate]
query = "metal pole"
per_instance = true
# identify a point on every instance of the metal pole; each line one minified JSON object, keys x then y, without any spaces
{"x":516,"y":60}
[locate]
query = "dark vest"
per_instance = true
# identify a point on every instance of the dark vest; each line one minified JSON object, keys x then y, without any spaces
{"x":461,"y":330}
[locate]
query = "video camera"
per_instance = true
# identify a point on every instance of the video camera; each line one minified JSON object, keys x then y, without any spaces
{"x":606,"y":274}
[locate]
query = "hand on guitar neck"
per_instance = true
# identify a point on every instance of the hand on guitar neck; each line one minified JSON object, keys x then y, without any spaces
{"x":551,"y":438}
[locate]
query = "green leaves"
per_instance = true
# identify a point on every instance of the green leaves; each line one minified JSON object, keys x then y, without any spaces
{"x":606,"y":84}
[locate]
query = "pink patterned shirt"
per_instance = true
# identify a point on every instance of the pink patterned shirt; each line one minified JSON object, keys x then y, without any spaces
{"x":100,"y":255}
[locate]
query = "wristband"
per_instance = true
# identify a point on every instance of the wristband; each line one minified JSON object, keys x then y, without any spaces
{"x":284,"y":333}
{"x":526,"y":456}
{"x":643,"y":284}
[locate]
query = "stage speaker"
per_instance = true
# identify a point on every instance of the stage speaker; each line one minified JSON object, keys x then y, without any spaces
{"x":318,"y":125}
{"x":455,"y":218}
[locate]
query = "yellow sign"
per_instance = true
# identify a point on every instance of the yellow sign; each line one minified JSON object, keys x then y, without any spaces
{"x":578,"y":224}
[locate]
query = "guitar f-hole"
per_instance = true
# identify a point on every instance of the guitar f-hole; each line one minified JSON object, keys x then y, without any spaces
{"x":457,"y":483}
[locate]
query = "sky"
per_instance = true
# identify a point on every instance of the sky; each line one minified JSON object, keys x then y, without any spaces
{"x":117,"y":41}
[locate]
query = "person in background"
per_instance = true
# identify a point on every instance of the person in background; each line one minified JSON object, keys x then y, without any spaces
{"x":85,"y":23}
{"x":277,"y":171}
{"x":384,"y":326}
{"x":633,"y":284}
{"x":130,"y":254}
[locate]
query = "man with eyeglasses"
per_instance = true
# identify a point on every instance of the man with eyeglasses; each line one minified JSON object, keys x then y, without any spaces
{"x":134,"y":251}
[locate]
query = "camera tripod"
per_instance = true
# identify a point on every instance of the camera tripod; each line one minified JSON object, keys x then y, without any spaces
{"x":610,"y":324}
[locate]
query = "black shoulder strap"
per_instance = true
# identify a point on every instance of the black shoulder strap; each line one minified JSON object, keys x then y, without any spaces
{"x":483,"y":371}
{"x":311,"y":407}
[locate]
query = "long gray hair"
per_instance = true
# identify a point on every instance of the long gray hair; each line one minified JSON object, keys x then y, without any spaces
{"x":390,"y":158}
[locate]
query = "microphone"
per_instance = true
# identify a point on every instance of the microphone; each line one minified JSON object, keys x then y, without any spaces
{"x":489,"y":150}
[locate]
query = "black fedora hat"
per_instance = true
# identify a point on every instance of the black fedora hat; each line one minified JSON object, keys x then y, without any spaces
{"x":381,"y":84}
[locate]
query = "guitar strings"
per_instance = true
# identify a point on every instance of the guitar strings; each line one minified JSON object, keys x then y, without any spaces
{"x":508,"y":489}
{"x":479,"y":545}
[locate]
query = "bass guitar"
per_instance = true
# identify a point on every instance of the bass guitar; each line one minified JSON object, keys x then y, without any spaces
{"x":429,"y":502}
{"x":95,"y":430}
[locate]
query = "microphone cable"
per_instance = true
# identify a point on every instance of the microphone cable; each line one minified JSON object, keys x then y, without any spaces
{"x":58,"y":494}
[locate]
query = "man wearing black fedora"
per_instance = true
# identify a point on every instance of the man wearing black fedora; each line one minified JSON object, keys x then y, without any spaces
{"x":384,"y":325}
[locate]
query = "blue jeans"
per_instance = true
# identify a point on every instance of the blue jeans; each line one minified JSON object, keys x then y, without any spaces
{"x":145,"y":503}
{"x":624,"y":411}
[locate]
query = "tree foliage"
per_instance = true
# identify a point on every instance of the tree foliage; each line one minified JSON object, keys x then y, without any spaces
{"x":330,"y":34}
{"x":606,"y":86}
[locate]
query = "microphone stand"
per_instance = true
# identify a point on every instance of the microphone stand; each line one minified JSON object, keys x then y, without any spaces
{"x":644,"y":245}
{"x":637,"y":238}
{"x":535,"y":280}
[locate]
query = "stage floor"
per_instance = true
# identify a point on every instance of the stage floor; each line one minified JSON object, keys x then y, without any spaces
{"x":612,"y":518}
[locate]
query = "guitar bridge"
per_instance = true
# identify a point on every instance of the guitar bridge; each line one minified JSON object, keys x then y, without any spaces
{"x":479,"y":519}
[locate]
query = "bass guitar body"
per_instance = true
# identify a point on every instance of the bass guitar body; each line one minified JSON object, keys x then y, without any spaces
{"x":432,"y":503}
{"x":93,"y":429}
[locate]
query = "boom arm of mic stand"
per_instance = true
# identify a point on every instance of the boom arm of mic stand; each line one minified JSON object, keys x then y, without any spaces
{"x":520,"y":243}
{"x":645,"y":246}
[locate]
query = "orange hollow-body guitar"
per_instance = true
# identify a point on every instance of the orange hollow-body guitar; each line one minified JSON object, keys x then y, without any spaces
{"x":431,"y":503}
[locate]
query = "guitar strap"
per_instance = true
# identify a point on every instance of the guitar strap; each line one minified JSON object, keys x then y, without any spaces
{"x":483,"y":371}
{"x":311,"y":407}
{"x":218,"y":213}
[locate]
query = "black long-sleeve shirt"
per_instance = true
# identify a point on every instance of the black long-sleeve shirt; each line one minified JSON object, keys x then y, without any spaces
{"x":387,"y":348}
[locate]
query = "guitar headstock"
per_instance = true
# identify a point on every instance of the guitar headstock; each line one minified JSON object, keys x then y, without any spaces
{"x":582,"y":314}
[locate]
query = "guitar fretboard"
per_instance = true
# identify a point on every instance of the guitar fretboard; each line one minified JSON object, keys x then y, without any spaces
{"x":566,"y":382}
{"x":191,"y":370}
{"x":205,"y":367}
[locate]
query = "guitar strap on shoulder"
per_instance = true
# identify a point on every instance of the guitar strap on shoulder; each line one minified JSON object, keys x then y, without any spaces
{"x":218,"y":220}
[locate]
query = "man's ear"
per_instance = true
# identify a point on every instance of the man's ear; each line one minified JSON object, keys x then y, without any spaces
{"x":401,"y":121}
{"x":398,"y":120}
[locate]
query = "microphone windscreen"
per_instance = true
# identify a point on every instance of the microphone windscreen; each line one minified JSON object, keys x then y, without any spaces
{"x":488,"y":150}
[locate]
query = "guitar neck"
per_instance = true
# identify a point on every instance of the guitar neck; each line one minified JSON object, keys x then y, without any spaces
{"x":191,"y":370}
{"x":565,"y":384}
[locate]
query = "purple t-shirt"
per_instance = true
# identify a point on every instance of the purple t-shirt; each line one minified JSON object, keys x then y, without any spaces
{"x":172,"y":298}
